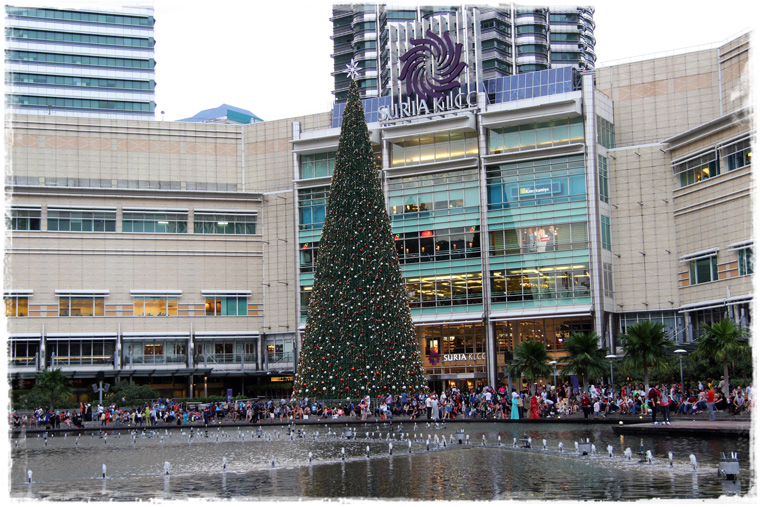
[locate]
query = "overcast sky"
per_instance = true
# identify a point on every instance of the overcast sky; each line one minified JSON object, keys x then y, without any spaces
{"x":273,"y":57}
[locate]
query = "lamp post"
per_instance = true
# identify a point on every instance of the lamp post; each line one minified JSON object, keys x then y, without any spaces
{"x":680,"y":353}
{"x":554,"y":364}
{"x":611,"y":357}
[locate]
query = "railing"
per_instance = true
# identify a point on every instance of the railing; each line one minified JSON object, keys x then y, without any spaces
{"x":80,"y":360}
{"x":509,"y":297}
{"x":286,"y":357}
{"x":249,"y":359}
{"x":21,"y":361}
{"x":159,"y":359}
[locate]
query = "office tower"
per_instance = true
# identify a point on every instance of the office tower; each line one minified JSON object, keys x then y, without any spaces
{"x":92,"y":63}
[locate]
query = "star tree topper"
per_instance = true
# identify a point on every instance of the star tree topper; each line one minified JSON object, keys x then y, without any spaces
{"x":352,"y":69}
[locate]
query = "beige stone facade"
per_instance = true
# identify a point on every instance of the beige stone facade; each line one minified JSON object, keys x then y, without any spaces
{"x":669,"y":112}
{"x":120,"y":168}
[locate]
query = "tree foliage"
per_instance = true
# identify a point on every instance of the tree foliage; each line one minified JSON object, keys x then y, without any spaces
{"x":531,"y":360}
{"x":359,"y":338}
{"x":130,"y":394}
{"x":722,"y":342}
{"x":52,"y":387}
{"x":585,"y":358}
{"x":645,"y":345}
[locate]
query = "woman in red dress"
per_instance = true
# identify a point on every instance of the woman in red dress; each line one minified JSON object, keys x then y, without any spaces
{"x":533,"y":407}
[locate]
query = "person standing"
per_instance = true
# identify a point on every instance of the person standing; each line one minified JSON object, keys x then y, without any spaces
{"x":652,"y":396}
{"x":428,"y":406}
{"x":515,"y":406}
{"x":710,"y":397}
{"x":665,"y":406}
{"x":585,"y":405}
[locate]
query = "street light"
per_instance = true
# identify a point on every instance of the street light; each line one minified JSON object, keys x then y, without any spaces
{"x":611,"y":357}
{"x":680,"y":353}
{"x":554,"y":364}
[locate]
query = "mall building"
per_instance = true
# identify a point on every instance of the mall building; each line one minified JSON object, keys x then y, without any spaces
{"x":523,"y":207}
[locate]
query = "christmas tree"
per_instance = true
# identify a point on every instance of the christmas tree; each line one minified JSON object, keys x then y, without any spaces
{"x":359,"y":338}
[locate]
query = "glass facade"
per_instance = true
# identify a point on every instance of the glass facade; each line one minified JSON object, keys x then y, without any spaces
{"x":537,"y":182}
{"x":433,"y":148}
{"x":154,"y":351}
{"x":535,"y":136}
{"x":85,"y":352}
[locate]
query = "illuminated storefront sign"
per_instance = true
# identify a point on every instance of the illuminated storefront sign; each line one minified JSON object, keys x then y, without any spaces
{"x":473,"y":356}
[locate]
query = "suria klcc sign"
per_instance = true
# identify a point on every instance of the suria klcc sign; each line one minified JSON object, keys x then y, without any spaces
{"x":431,"y":71}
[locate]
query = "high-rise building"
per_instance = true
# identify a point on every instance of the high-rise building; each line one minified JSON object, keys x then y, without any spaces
{"x":496,"y":41}
{"x":93,"y":63}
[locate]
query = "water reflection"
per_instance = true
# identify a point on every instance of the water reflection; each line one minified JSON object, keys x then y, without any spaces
{"x":461,"y":472}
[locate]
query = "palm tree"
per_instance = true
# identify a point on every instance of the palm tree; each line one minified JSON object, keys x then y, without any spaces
{"x":644,"y":345}
{"x":531,"y":360}
{"x":585,"y":358}
{"x":723,"y":341}
{"x":53,"y":386}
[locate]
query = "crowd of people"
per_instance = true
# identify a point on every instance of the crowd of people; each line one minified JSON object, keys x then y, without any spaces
{"x":562,"y":400}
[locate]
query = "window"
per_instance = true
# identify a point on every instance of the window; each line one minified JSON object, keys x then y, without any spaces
{"x":736,"y":155}
{"x":227,"y":351}
{"x":317,"y":165}
{"x":307,"y":253}
{"x":438,"y":245}
{"x":605,"y":133}
{"x":543,"y":237}
{"x":81,"y":306}
{"x":23,"y":352}
{"x":226,"y":306}
{"x":521,"y":284}
{"x":536,"y":182}
{"x":604,"y":185}
{"x":535,"y":136}
{"x":606,"y":233}
{"x":434,"y":148}
{"x":219,"y":222}
{"x":607,"y":279}
{"x":703,"y":270}
{"x":154,"y":351}
{"x":312,"y":206}
{"x":697,"y":169}
{"x":565,"y":56}
{"x":305,"y":295}
{"x":445,"y":290}
{"x":16,"y":306}
{"x":746,"y":262}
{"x":155,"y":306}
{"x":81,"y":220}
{"x":154,"y":221}
{"x":563,"y":37}
{"x":459,"y":196}
{"x":23,"y":219}
{"x":67,"y":352}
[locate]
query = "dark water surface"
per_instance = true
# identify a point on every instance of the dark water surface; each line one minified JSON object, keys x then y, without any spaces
{"x":63,"y":470}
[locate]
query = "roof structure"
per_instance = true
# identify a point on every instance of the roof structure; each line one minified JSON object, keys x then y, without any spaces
{"x":223,"y":114}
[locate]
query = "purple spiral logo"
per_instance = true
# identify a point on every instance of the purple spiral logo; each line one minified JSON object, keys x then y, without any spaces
{"x":432,"y":65}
